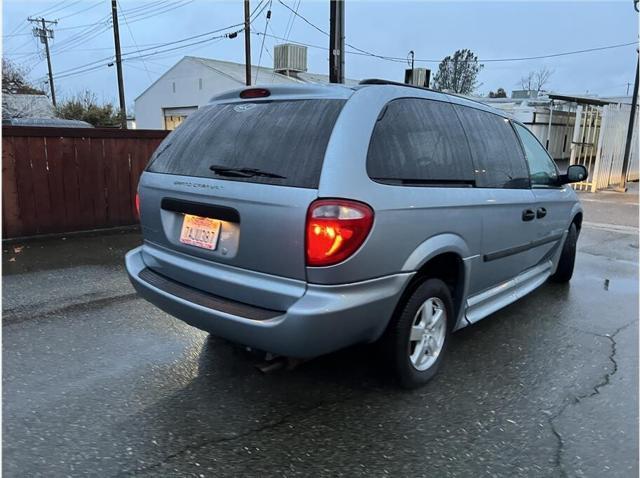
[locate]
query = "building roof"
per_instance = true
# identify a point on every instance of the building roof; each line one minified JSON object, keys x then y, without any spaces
{"x":586,"y":100}
{"x":26,"y":106}
{"x":264,"y":75}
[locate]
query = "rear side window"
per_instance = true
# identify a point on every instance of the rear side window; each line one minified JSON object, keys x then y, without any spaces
{"x":260,"y":141}
{"x":417,"y":141}
{"x":496,"y":151}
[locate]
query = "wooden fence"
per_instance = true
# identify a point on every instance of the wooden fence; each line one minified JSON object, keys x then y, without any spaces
{"x":71,"y":179}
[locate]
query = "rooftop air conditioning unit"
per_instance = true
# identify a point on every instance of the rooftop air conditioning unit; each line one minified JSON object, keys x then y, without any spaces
{"x":289,"y":58}
{"x":417,"y":77}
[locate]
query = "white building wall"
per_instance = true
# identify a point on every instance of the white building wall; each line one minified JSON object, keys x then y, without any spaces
{"x":188,"y":83}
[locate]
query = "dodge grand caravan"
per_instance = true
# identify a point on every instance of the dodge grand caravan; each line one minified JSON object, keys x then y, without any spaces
{"x":299,"y":220}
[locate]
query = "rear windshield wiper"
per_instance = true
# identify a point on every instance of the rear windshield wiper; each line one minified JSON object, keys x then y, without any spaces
{"x":243,"y":172}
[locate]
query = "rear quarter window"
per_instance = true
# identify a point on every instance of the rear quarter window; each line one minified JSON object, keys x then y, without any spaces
{"x":419,"y":142}
{"x":496,"y":151}
{"x":283,"y":138}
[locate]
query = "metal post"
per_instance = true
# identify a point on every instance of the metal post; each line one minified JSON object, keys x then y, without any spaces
{"x":336,"y":41}
{"x":627,"y":147}
{"x":116,"y":39}
{"x":550,"y":123}
{"x":247,"y":42}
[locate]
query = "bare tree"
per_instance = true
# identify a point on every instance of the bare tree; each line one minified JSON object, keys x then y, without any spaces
{"x":14,"y":80}
{"x":536,"y":80}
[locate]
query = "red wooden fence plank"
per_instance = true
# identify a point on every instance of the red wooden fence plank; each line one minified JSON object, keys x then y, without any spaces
{"x":11,"y":222}
{"x":24,"y":182}
{"x":96,"y":179}
{"x":70,"y":180}
{"x":86,"y":188}
{"x":55,"y":164}
{"x":125,"y":200}
{"x":117,"y":178}
{"x":38,"y":157}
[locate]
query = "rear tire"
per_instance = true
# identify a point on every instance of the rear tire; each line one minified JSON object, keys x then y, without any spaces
{"x":418,"y":334}
{"x":564,"y":272}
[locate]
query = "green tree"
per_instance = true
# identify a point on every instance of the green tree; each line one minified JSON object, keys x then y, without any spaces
{"x":14,"y":80}
{"x":85,"y":107}
{"x":500,"y":93}
{"x":458,"y":73}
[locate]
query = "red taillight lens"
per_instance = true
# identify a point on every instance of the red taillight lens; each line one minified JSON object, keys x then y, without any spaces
{"x":254,"y":93}
{"x":336,"y":228}
{"x":138,"y":205}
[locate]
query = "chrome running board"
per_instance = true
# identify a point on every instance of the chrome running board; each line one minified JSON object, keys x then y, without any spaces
{"x":487,"y":302}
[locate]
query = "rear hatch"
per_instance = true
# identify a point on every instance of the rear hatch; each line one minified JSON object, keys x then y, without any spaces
{"x":231,"y":187}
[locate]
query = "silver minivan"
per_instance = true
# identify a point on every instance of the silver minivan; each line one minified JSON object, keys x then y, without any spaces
{"x":298,"y":220}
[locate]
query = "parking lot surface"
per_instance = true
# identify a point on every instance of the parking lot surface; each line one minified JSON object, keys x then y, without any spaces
{"x":98,"y":382}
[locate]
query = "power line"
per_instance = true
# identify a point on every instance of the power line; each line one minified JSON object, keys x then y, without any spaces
{"x":55,"y":8}
{"x":146,"y":6}
{"x":167,"y":8}
{"x":293,"y":19}
{"x":134,"y":40}
{"x":103,"y":61}
{"x":266,"y":24}
{"x":81,"y":11}
{"x":489,"y":60}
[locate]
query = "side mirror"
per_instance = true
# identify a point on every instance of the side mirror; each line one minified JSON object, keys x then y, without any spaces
{"x":575,"y":173}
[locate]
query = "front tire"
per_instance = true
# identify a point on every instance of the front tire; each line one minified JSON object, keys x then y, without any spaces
{"x":418,"y":334}
{"x":564,"y":272}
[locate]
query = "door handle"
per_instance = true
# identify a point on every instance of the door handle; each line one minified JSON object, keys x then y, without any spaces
{"x":528,"y":215}
{"x":541,"y":212}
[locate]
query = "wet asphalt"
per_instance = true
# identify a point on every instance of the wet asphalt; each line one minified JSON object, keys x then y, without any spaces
{"x":96,"y":382}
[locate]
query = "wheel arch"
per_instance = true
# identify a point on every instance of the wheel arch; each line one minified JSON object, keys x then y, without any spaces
{"x":441,"y":257}
{"x":577,"y":220}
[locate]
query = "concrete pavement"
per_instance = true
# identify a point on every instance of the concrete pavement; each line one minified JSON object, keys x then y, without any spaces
{"x":98,"y":382}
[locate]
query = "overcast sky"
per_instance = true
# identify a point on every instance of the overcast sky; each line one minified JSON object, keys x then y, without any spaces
{"x":493,"y":30}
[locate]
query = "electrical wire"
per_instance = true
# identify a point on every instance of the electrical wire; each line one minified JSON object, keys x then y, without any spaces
{"x":134,"y":40}
{"x":146,"y":15}
{"x":403,"y":60}
{"x":81,"y":11}
{"x":127,"y":55}
{"x":266,"y":24}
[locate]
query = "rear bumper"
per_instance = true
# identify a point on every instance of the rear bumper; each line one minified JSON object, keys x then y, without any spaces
{"x":324,"y":319}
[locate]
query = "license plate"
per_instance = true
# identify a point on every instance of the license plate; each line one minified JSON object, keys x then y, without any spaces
{"x":200,"y":231}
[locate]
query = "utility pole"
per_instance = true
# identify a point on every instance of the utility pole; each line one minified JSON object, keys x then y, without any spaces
{"x":247,"y":42}
{"x":44,"y":34}
{"x":116,"y":39}
{"x":336,"y":41}
{"x":628,"y":145}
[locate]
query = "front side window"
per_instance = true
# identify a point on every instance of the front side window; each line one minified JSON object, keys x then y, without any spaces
{"x":419,"y":142}
{"x":542,"y":168}
{"x":495,"y":148}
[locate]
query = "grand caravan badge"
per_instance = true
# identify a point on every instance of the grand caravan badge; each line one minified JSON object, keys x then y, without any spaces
{"x":244,"y":107}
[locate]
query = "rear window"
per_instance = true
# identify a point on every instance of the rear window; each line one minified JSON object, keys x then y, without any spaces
{"x":252,"y":142}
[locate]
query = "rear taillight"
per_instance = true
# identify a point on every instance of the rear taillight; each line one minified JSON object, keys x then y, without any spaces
{"x":336,"y":228}
{"x":138,"y":205}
